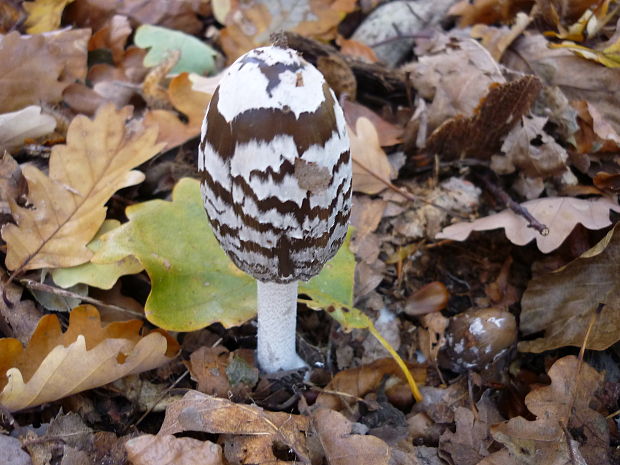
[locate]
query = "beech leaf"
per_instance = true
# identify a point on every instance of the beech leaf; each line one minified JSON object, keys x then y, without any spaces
{"x":56,"y":364}
{"x":371,"y":168}
{"x":559,"y":214}
{"x":68,"y":206}
{"x":44,"y":15}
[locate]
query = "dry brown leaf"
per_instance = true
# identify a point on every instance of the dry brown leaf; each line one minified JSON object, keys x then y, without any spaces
{"x":169,"y":450}
{"x":595,"y":134}
{"x":562,"y":303}
{"x":70,"y":46}
{"x":342,"y":447}
{"x":480,"y":135}
{"x":497,"y":39}
{"x":28,"y":72}
{"x":528,"y":148}
{"x":180,"y":15}
{"x":389,"y":134}
{"x":356,"y":49}
{"x":18,"y":318}
{"x":488,"y":11}
{"x":559,"y":214}
{"x":112,"y":36}
{"x":201,"y":412}
{"x":192,"y":103}
{"x":559,"y":407}
{"x":572,"y":74}
{"x":371,"y":169}
{"x":68,"y":205}
{"x":455,"y":74}
{"x":357,"y":382}
{"x":250,"y":23}
{"x":44,"y":15}
{"x":11,"y":16}
{"x":470,"y":441}
{"x":27,"y":123}
{"x":56,"y":364}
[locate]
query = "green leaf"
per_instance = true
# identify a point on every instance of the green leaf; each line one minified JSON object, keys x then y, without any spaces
{"x":194,"y":283}
{"x":103,"y":276}
{"x":196,"y":56}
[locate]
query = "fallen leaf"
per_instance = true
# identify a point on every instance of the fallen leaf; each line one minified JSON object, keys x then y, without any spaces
{"x":528,"y":148}
{"x":559,"y":214}
{"x":371,"y":169}
{"x":198,"y":280}
{"x":196,"y":56}
{"x":44,"y":15}
{"x":389,"y":134}
{"x":562,"y":303}
{"x":342,"y":446}
{"x":357,"y":382}
{"x":572,"y":74}
{"x":455,"y":74}
{"x":356,"y":49}
{"x":27,"y":123}
{"x":188,"y":101}
{"x":561,"y":406}
{"x":497,"y":39}
{"x":102,"y":276}
{"x":12,"y":451}
{"x":68,"y":205}
{"x":201,"y":412}
{"x":112,"y":36}
{"x":29,"y":74}
{"x":595,"y":135}
{"x":20,"y":315}
{"x":165,"y":449}
{"x":56,"y":364}
{"x":481,"y":134}
{"x":487,"y":11}
{"x":250,"y":24}
{"x":471,"y":440}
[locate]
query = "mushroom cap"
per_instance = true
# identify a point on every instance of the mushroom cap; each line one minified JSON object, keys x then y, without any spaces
{"x":275,"y":166}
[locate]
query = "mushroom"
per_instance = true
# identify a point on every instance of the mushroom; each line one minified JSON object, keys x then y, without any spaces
{"x":276,"y":183}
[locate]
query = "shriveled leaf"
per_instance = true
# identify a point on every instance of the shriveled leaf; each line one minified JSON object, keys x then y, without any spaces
{"x":342,"y":447}
{"x":497,"y":39}
{"x":196,"y":285}
{"x":56,"y":364}
{"x":564,"y":402}
{"x":68,"y":205}
{"x":388,"y":133}
{"x":562,"y":303}
{"x":201,"y":412}
{"x":165,"y":449}
{"x":559,"y":214}
{"x":595,"y":134}
{"x":27,"y":123}
{"x":102,"y":276}
{"x":359,"y":381}
{"x":196,"y":56}
{"x":21,"y":315}
{"x":44,"y":15}
{"x":185,"y":99}
{"x":371,"y":168}
{"x":250,"y":25}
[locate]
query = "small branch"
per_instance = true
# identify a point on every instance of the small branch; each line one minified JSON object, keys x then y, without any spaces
{"x":31,"y":284}
{"x":519,"y":209}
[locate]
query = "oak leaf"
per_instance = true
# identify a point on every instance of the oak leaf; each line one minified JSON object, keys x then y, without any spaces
{"x":68,"y":205}
{"x":27,"y":123}
{"x":342,"y":447}
{"x":56,"y":364}
{"x":561,"y":407}
{"x":165,"y":449}
{"x":185,"y":99}
{"x":249,"y":24}
{"x":559,"y":214}
{"x":201,"y":412}
{"x":562,"y":303}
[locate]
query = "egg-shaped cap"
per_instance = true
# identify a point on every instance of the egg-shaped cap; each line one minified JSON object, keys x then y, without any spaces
{"x":275,"y":166}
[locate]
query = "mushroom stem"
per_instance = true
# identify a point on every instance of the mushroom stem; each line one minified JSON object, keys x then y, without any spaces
{"x":277,"y":319}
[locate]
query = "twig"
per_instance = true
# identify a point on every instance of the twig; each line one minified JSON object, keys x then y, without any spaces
{"x":161,"y":396}
{"x":519,"y":209}
{"x":31,"y":284}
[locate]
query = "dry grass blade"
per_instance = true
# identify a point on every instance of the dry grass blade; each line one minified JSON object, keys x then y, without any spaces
{"x":68,"y":206}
